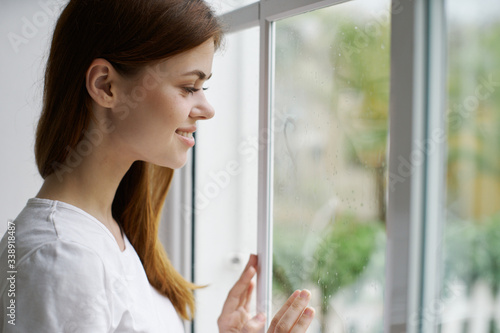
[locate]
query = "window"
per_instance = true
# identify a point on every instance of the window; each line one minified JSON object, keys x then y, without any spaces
{"x":330,"y":123}
{"x":470,"y":275}
{"x":376,"y":182}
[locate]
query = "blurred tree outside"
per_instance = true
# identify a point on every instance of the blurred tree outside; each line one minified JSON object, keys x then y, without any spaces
{"x":361,"y":59}
{"x":338,"y":261}
{"x":343,"y":77}
{"x":472,"y":253}
{"x":345,"y":251}
{"x":359,"y":62}
{"x":473,"y":120}
{"x":472,"y":232}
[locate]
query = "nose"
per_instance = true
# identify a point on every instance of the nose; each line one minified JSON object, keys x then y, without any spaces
{"x":202,"y":109}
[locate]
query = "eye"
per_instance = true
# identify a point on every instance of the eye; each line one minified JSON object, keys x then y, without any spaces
{"x":192,"y":90}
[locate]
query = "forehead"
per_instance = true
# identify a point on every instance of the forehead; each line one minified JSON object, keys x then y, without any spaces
{"x":199,"y":58}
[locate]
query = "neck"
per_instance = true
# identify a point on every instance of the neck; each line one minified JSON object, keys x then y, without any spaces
{"x":90,"y":185}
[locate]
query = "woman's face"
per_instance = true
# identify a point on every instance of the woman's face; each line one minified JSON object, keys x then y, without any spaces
{"x":158,"y":109}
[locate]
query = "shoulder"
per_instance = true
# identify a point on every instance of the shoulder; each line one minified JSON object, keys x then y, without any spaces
{"x":48,"y":241}
{"x":59,"y":285}
{"x":62,"y":258}
{"x":59,"y":264}
{"x":47,"y":229}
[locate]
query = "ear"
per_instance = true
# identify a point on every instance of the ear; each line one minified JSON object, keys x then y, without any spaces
{"x":100,"y":82}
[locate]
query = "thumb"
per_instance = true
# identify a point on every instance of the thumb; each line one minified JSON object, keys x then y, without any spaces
{"x":254,"y":324}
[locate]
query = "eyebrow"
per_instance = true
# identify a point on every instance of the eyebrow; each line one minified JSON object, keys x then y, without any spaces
{"x":199,"y":73}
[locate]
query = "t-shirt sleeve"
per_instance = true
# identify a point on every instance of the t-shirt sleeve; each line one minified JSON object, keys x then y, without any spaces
{"x":60,"y":287}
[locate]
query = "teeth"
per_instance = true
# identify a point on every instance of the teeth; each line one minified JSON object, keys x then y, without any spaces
{"x":186,"y":134}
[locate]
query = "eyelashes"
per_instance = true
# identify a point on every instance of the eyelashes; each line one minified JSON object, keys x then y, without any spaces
{"x":192,"y":90}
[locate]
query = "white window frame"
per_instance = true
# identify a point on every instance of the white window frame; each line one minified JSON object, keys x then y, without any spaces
{"x":415,"y":211}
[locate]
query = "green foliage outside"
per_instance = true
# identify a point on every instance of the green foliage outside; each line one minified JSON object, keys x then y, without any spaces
{"x":359,"y":65}
{"x":339,"y":260}
{"x":473,"y":252}
{"x":342,"y":255}
{"x":471,"y":244}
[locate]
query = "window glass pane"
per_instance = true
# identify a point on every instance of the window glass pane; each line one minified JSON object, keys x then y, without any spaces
{"x":330,"y":149}
{"x":471,"y":276}
{"x":225,"y":6}
{"x":226,"y":176}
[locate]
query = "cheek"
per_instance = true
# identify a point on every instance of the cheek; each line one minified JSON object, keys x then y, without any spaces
{"x":163,"y":121}
{"x":162,"y":104}
{"x":156,"y":110}
{"x":172,"y":111}
{"x":155,"y":117}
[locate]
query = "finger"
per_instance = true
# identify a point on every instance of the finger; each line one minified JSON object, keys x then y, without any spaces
{"x":241,"y":286}
{"x":246,"y":303}
{"x":236,"y":319}
{"x":283,"y":309}
{"x":304,"y":321}
{"x":252,"y":261}
{"x":295,"y":310}
{"x":255,"y":324}
{"x":239,"y":289}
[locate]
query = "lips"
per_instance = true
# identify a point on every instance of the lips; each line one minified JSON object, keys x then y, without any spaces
{"x":187,"y":129}
{"x":186,"y":135}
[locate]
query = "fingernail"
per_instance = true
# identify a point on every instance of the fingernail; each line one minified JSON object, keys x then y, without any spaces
{"x":261,"y":317}
{"x":305,"y":294}
{"x":309,"y":312}
{"x":296,"y":293}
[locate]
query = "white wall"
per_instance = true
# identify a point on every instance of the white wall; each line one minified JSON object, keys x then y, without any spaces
{"x":25,"y":30}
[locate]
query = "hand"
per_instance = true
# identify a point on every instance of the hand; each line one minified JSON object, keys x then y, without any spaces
{"x":293,"y":317}
{"x":235,"y":317}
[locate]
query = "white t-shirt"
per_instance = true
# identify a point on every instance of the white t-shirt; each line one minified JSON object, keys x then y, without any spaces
{"x":71,"y":276}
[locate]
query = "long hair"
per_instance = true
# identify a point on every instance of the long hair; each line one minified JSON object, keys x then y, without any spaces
{"x":130,"y":34}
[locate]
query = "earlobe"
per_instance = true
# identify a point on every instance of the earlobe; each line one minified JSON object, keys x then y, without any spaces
{"x":99,"y":83}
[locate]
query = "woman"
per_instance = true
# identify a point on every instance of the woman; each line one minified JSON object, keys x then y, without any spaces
{"x":123,"y":91}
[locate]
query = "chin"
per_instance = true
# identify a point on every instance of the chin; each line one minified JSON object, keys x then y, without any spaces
{"x":174,"y":164}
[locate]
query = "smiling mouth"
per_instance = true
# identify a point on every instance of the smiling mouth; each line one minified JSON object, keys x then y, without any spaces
{"x":185,"y":134}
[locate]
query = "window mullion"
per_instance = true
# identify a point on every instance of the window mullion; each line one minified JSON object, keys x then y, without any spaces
{"x":406,"y":190}
{"x":434,"y":146}
{"x":264,"y":233}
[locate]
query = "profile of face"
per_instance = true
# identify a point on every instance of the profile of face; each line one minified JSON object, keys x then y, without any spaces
{"x":153,"y":114}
